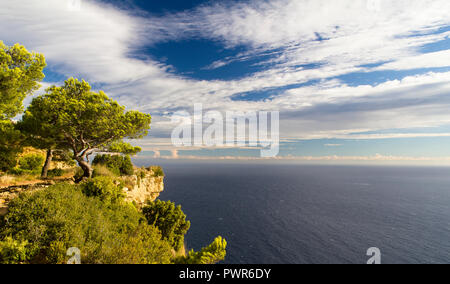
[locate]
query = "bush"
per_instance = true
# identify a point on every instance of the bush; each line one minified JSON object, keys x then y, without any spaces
{"x":48,"y":222}
{"x":31,"y":162}
{"x":120,"y":166}
{"x":212,"y":254}
{"x":55,"y":173}
{"x":141,"y":246}
{"x":102,"y":171}
{"x":169,"y":219}
{"x":157,"y":171}
{"x":8,"y":158}
{"x":13,"y":252}
{"x":104,"y":188}
{"x":79,"y":173}
{"x":10,"y":145}
{"x":20,"y":172}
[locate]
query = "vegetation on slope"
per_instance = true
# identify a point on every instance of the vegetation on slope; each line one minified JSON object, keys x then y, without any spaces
{"x":41,"y":226}
{"x":71,"y":123}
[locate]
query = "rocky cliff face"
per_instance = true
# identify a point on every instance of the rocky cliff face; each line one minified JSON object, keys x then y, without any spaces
{"x":143,"y":186}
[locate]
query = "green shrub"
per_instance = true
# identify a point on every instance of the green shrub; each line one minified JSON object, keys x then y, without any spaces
{"x":102,"y":171}
{"x":20,"y":172}
{"x":120,"y":166}
{"x":79,"y":173}
{"x":60,"y":217}
{"x":13,"y":251}
{"x":8,"y":158}
{"x":127,"y":167}
{"x":103,"y":188}
{"x":157,"y":171}
{"x":141,"y":246}
{"x":31,"y":162}
{"x":55,"y":173}
{"x":142,"y":173}
{"x":10,"y":145}
{"x":169,"y":219}
{"x":212,"y":254}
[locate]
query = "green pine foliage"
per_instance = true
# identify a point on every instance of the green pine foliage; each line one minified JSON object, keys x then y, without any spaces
{"x":104,"y":188}
{"x":31,"y":162}
{"x":12,"y":251}
{"x":123,"y":148}
{"x":157,"y":171}
{"x":118,"y":165}
{"x":74,"y":117}
{"x":212,"y":254}
{"x":169,"y":219}
{"x":20,"y":72}
{"x":10,"y":145}
{"x":56,"y":173}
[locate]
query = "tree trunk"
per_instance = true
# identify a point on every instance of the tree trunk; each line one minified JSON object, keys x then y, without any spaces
{"x":47,"y":164}
{"x":86,"y":167}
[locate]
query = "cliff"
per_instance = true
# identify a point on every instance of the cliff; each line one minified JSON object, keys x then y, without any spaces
{"x":145,"y":185}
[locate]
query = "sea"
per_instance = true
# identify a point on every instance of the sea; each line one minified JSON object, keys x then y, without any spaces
{"x":302,"y":214}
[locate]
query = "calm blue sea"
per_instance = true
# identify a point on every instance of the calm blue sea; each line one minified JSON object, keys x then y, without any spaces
{"x":273,"y":214}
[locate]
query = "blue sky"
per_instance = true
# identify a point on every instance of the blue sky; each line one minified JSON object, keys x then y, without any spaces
{"x":355,"y":81}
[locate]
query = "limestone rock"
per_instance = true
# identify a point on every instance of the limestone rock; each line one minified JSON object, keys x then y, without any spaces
{"x":144,"y":186}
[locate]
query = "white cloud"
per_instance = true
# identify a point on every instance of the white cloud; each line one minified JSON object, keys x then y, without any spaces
{"x":93,"y":41}
{"x":98,"y":43}
{"x":428,"y":60}
{"x":352,"y":32}
{"x":334,"y":112}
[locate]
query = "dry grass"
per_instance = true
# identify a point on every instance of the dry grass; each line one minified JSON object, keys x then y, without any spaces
{"x":100,"y":170}
{"x":10,"y":180}
{"x":29,"y":179}
{"x":6,"y":179}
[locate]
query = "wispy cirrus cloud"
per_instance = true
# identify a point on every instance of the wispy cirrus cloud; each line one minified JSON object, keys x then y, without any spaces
{"x":307,"y":46}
